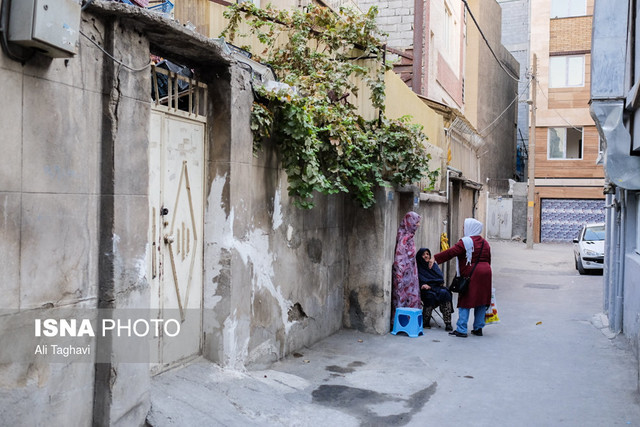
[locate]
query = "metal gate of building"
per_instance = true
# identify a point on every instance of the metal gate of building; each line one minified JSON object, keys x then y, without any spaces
{"x":561,"y":219}
{"x":176,"y":203}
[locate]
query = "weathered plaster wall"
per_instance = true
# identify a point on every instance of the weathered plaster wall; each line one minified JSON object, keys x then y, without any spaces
{"x":273,"y":273}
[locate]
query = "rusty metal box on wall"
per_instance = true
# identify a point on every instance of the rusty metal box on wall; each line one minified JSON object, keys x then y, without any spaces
{"x":50,"y":26}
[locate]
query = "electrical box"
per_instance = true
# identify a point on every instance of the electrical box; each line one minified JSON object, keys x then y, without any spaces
{"x":51,"y":26}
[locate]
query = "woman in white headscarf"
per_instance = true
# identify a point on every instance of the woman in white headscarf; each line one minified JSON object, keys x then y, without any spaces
{"x":470,"y":249}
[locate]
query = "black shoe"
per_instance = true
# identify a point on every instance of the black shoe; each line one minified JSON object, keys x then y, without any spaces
{"x":458,"y":334}
{"x":448,"y":327}
{"x":477,"y":332}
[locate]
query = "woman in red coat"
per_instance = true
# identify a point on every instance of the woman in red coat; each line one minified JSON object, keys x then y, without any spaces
{"x":470,"y":249}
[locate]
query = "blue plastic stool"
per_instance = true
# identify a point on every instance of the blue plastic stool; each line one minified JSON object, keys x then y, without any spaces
{"x":409,"y":321}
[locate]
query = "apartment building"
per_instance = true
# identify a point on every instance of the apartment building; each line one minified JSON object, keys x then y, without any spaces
{"x":568,"y":174}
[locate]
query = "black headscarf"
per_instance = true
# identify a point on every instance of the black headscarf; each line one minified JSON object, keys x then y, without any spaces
{"x":430,"y":276}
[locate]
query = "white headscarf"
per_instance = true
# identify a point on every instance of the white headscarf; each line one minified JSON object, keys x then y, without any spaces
{"x":472,"y":227}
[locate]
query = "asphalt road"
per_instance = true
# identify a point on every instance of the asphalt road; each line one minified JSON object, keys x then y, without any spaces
{"x":546,"y":363}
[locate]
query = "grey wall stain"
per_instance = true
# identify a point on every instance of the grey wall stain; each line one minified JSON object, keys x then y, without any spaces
{"x":356,"y":316}
{"x":356,"y":401}
{"x":314,"y":250}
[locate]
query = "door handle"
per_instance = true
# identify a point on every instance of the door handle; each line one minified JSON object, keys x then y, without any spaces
{"x":169,"y":238}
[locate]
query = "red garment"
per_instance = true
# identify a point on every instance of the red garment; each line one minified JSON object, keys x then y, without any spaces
{"x":479,"y":292}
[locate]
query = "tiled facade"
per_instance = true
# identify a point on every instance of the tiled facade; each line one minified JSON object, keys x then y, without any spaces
{"x":563,"y":218}
{"x":570,"y":34}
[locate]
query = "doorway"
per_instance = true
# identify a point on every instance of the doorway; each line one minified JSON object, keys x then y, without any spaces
{"x":175,"y":262}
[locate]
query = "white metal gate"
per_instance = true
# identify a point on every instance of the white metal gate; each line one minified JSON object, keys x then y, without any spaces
{"x":176,"y":170}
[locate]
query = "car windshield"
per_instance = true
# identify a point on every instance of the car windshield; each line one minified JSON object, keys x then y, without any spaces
{"x":594,"y":233}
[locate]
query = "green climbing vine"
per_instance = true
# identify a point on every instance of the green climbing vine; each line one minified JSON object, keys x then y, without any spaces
{"x":325,"y":145}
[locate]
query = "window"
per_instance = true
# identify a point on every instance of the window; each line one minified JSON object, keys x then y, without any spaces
{"x":255,"y":2}
{"x":594,"y":233}
{"x":568,"y":8}
{"x":448,"y":29}
{"x":566,"y":71}
{"x":564,"y":143}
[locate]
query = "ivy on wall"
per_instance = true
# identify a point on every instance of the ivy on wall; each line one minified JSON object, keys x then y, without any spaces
{"x":325,"y":145}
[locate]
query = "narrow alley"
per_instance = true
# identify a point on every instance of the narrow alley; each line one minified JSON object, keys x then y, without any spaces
{"x":547,"y":363}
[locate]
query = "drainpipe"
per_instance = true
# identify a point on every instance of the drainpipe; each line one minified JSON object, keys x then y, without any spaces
{"x":615,"y":270}
{"x":418,"y":37}
{"x":620,"y":261}
{"x":608,"y":256}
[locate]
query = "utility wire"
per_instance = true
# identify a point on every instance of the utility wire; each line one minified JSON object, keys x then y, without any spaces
{"x":487,"y":42}
{"x":505,"y":110}
{"x":115,"y":59}
{"x":556,"y":111}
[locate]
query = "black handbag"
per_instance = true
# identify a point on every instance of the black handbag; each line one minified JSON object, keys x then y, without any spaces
{"x":460,"y":284}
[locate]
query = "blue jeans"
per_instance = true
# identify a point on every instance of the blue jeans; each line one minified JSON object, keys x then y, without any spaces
{"x":478,"y":318}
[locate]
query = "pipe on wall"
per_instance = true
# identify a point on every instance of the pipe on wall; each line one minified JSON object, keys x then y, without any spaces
{"x":608,"y":255}
{"x":620,"y":260}
{"x":418,"y":37}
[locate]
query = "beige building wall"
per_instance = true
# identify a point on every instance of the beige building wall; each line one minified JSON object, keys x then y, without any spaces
{"x":402,"y":101}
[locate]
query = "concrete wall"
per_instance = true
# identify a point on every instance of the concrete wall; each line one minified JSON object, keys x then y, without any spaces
{"x":499,"y":221}
{"x":494,"y":94}
{"x":631,"y":266}
{"x":519,"y":217}
{"x":75,"y":214}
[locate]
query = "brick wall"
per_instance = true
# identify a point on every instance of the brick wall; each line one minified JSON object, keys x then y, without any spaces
{"x":570,"y":34}
{"x":395,"y":18}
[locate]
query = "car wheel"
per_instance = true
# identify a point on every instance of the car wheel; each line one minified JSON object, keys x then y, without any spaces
{"x":579,"y":266}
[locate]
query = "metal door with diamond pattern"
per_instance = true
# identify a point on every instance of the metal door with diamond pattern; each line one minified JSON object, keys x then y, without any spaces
{"x":176,"y":172}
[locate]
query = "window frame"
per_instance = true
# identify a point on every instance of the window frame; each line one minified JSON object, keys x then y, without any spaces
{"x":448,"y":26}
{"x":566,"y":71}
{"x":564,"y":151}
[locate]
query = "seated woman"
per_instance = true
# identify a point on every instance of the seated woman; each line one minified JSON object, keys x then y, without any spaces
{"x":432,"y":290}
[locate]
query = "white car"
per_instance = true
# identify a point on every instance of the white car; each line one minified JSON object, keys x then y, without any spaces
{"x":588,"y":248}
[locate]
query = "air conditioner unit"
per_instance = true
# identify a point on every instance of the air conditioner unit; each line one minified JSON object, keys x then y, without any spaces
{"x":51,"y":26}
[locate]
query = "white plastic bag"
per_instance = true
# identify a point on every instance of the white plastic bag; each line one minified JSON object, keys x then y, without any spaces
{"x":491,"y":316}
